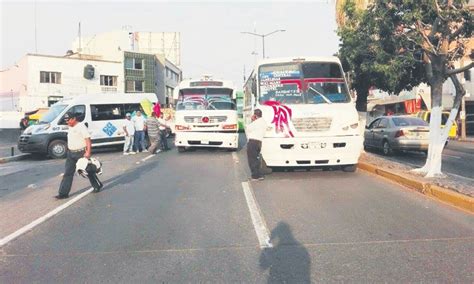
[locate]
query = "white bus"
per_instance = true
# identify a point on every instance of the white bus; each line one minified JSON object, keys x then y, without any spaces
{"x":103,"y":114}
{"x":311,"y":116}
{"x":206,"y":114}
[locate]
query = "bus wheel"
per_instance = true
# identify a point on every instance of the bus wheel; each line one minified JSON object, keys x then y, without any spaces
{"x":349,"y":168}
{"x":57,"y":149}
{"x":181,"y":149}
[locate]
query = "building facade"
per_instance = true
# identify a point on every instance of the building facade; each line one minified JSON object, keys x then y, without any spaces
{"x":40,"y":80}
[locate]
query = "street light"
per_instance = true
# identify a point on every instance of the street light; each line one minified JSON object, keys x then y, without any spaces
{"x":263,"y":38}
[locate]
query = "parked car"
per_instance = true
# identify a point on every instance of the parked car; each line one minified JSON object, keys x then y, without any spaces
{"x":426,"y":115}
{"x":397,"y":133}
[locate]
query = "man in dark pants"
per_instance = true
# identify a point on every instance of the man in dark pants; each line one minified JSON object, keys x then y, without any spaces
{"x":79,"y":145}
{"x":255,"y":132}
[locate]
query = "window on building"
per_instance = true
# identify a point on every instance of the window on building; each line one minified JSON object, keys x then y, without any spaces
{"x":106,"y":80}
{"x":134,"y":63}
{"x":50,"y":77}
{"x":138,"y":64}
{"x":134,"y":86}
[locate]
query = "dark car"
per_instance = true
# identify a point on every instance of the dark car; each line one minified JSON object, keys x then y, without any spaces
{"x":397,"y":133}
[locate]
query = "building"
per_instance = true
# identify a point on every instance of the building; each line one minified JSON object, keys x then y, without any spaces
{"x":151,"y":59}
{"x":41,"y":80}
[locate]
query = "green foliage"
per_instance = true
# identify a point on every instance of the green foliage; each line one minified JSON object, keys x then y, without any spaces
{"x":390,"y":44}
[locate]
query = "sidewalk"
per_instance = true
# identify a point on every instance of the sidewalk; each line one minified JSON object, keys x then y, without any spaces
{"x":454,"y":190}
{"x":9,"y":139}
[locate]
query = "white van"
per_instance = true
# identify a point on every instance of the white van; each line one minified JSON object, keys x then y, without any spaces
{"x":103,"y":114}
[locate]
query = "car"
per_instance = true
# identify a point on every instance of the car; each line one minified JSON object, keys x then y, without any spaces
{"x":397,"y":133}
{"x":426,"y":115}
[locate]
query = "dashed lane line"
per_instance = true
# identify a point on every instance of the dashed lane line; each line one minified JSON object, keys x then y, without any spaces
{"x":259,"y":224}
{"x":235,"y":157}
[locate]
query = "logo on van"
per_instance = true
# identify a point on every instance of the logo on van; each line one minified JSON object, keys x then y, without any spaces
{"x":109,"y":129}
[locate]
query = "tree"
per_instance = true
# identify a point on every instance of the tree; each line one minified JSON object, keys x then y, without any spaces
{"x":406,"y":42}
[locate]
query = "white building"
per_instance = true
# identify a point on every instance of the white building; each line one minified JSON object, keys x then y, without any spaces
{"x":40,"y":80}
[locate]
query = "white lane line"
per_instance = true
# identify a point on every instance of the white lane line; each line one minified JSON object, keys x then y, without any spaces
{"x":42,"y":219}
{"x":235,"y":157}
{"x":451,"y":156}
{"x":263,"y":234}
{"x":150,"y":156}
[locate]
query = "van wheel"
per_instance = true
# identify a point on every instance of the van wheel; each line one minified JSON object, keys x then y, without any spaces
{"x":57,"y":149}
{"x":349,"y":168}
{"x":181,"y":149}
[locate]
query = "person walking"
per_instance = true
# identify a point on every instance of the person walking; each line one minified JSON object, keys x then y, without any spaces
{"x":129,"y":130}
{"x":163,"y":139}
{"x":255,"y":132}
{"x":157,"y":108}
{"x":153,"y":127}
{"x":140,"y":127}
{"x":79,"y":145}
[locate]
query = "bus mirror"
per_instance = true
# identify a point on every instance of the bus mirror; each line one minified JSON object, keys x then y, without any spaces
{"x":253,"y":99}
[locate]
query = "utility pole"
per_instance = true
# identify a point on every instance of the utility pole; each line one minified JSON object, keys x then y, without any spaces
{"x":263,"y":38}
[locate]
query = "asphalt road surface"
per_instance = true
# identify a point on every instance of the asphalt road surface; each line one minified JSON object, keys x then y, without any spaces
{"x":194,"y":217}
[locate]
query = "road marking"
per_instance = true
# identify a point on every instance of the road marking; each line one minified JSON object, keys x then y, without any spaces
{"x":263,"y":234}
{"x":456,"y":157}
{"x":42,"y":219}
{"x":151,"y":156}
{"x":235,"y":157}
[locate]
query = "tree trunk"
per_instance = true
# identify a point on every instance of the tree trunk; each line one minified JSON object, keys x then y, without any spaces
{"x":432,"y":167}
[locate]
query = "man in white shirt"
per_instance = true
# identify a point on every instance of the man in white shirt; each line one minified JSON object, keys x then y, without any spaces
{"x":163,"y":126}
{"x":255,"y":132}
{"x":129,"y":130}
{"x":139,"y":123}
{"x":79,"y":145}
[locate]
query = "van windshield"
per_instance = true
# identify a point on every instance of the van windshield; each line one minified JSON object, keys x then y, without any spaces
{"x":53,"y":112}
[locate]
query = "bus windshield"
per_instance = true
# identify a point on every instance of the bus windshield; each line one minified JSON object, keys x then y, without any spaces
{"x":302,"y":83}
{"x":52,"y":113}
{"x":206,"y":99}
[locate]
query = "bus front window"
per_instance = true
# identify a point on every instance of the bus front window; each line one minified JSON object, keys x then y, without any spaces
{"x":303,"y":83}
{"x":206,"y":99}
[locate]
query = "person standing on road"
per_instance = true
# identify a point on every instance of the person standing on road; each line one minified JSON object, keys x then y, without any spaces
{"x":153,"y":127}
{"x":79,"y":145}
{"x":129,"y":130}
{"x":255,"y":132}
{"x":163,"y":126}
{"x":140,"y":128}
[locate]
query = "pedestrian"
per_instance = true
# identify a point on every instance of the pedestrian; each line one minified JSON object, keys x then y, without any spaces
{"x":79,"y":145}
{"x":140,"y":127}
{"x":157,"y":108}
{"x":153,"y":127}
{"x":129,"y":130}
{"x":163,"y":127}
{"x":255,"y":132}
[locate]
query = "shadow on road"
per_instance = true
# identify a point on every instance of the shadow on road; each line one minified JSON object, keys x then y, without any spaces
{"x":288,"y":261}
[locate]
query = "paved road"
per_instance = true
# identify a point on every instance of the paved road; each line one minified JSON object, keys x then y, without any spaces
{"x":458,"y":159}
{"x":184,"y":218}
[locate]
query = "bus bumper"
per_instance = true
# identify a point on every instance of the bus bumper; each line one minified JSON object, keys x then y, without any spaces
{"x":314,"y":151}
{"x":207,"y":139}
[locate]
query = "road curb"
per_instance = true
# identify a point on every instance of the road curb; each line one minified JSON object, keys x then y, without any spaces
{"x":4,"y":160}
{"x":445,"y":195}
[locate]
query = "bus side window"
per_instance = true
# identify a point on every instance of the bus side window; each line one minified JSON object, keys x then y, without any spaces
{"x":254,"y":90}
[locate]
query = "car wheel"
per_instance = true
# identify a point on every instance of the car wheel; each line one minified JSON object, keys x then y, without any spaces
{"x":57,"y":149}
{"x":387,"y":149}
{"x":349,"y":168}
{"x":181,"y":149}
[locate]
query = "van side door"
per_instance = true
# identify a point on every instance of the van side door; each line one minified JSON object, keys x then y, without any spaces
{"x":106,"y":124}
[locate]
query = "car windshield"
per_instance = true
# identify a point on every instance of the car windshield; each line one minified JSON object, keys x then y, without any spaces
{"x":53,"y":112}
{"x":408,"y":121}
{"x":206,"y":99}
{"x":303,"y":83}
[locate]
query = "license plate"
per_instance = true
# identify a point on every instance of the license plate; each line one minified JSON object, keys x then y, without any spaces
{"x":205,"y":142}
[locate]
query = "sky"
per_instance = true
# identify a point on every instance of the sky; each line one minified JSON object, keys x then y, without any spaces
{"x":211,"y":38}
